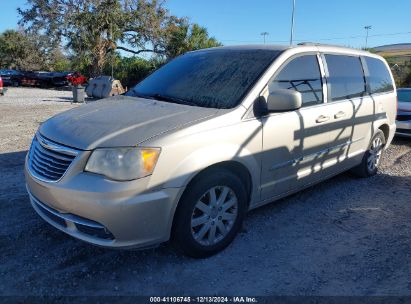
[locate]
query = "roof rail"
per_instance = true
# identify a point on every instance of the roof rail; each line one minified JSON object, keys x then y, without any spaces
{"x":331,"y":45}
{"x":317,"y":43}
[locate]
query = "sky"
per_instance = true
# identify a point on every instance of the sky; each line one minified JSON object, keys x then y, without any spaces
{"x":243,"y":21}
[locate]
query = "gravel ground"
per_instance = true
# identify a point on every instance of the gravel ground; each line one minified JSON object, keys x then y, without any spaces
{"x":345,"y":236}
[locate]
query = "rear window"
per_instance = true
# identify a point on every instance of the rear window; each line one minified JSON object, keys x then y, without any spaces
{"x":346,"y":77}
{"x":379,"y":78}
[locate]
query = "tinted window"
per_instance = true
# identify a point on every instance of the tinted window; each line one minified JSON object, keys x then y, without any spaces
{"x":301,"y":74}
{"x":379,"y":78}
{"x":346,"y":77}
{"x":213,"y":79}
{"x":404,"y":95}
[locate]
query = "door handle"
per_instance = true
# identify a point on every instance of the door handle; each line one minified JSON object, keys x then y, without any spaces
{"x":339,"y":115}
{"x":322,"y":118}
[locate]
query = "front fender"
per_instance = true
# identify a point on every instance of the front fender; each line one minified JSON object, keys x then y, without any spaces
{"x":205,"y":157}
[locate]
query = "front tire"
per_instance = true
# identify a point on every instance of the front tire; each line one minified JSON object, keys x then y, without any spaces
{"x":210,"y":213}
{"x":371,"y":159}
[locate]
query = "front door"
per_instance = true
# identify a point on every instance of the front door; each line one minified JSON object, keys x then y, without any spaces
{"x":303,"y":146}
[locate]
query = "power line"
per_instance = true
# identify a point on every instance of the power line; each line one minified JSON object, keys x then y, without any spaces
{"x":321,"y":39}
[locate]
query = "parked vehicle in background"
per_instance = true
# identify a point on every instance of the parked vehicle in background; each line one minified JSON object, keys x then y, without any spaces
{"x":404,"y":112}
{"x":1,"y":86}
{"x":207,"y":137}
{"x":38,"y":78}
{"x":44,"y":79}
{"x":11,"y":77}
{"x":30,"y":78}
{"x":54,"y":79}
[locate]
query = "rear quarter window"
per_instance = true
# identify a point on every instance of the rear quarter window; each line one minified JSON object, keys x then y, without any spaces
{"x":379,"y":78}
{"x":346,"y":77}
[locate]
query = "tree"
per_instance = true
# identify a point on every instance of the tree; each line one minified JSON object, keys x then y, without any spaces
{"x":186,"y":37}
{"x":94,"y":29}
{"x":20,"y":51}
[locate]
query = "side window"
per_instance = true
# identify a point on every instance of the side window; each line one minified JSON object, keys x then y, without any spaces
{"x":346,"y":77}
{"x":379,"y":78}
{"x":301,"y":74}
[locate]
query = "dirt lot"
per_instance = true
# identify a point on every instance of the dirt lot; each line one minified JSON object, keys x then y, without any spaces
{"x":346,"y":236}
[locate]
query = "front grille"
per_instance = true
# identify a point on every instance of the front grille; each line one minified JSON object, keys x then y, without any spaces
{"x":48,"y":160}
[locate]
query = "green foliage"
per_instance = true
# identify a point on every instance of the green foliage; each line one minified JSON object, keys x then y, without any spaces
{"x":59,"y":62}
{"x":22,"y":51}
{"x":399,"y":61}
{"x":401,"y":70}
{"x":186,"y":37}
{"x":94,"y":29}
{"x":131,"y":70}
{"x":18,"y":51}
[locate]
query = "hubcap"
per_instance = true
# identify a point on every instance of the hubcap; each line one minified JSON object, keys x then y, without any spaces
{"x":375,"y":154}
{"x":214,"y":215}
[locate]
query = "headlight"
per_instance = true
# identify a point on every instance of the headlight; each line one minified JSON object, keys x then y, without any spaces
{"x":123,"y":163}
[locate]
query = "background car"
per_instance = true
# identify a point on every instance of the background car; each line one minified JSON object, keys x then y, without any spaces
{"x":44,"y":79}
{"x":52,"y":79}
{"x":1,"y":87}
{"x":30,"y":78}
{"x":11,"y":77}
{"x":403,"y":120}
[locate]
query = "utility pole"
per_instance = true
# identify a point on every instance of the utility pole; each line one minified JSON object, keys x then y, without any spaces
{"x":112,"y":54}
{"x":264,"y":34}
{"x":367,"y":28}
{"x":292,"y":24}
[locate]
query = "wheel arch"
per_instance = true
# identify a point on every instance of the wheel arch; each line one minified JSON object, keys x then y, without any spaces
{"x":234,"y":167}
{"x":386,"y":130}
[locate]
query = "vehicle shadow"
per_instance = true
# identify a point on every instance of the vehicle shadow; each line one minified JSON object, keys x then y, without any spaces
{"x":318,"y":235}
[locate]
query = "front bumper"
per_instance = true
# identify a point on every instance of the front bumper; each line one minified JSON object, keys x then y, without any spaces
{"x":403,"y":128}
{"x":103,"y":212}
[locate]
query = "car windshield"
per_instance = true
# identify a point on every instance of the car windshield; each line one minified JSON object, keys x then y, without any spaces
{"x":404,"y":95}
{"x":210,"y":78}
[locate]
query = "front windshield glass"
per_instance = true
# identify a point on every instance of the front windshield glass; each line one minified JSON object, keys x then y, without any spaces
{"x":404,"y":95}
{"x":210,"y":78}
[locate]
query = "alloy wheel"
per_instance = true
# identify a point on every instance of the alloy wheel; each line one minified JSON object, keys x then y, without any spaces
{"x":375,"y":154}
{"x":214,"y":215}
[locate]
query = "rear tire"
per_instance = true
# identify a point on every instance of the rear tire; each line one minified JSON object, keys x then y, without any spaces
{"x":372,"y":157}
{"x":210,"y":213}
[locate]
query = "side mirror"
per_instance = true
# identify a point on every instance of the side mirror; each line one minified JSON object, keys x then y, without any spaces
{"x":283,"y":100}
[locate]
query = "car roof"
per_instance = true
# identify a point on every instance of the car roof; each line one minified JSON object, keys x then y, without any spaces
{"x":250,"y":47}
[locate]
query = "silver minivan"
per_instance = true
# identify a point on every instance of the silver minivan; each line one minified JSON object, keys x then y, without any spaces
{"x":210,"y":135}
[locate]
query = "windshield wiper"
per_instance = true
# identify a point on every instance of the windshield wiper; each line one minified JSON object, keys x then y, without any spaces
{"x":172,"y":99}
{"x":137,"y":94}
{"x":163,"y":97}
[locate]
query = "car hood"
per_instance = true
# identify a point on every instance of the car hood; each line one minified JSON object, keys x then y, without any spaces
{"x":119,"y":121}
